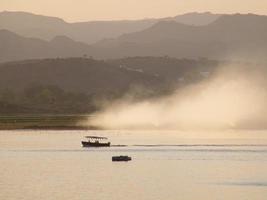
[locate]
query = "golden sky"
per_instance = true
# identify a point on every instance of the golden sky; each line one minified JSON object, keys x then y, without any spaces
{"x":86,"y":10}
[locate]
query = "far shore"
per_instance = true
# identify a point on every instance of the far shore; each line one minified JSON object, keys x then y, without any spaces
{"x":56,"y":128}
{"x":45,"y":122}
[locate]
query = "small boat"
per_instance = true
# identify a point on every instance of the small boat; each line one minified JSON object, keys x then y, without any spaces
{"x":121,"y":158}
{"x":95,"y":141}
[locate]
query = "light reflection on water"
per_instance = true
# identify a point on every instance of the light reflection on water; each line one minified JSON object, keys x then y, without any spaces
{"x":53,"y":165}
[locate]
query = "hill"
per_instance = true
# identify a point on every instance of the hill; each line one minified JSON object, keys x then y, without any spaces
{"x":230,"y":35}
{"x":72,"y":74}
{"x":77,"y":85}
{"x":46,"y":28}
{"x":14,"y":47}
{"x":238,"y":36}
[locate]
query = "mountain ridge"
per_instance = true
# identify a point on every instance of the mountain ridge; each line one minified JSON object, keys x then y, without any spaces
{"x":237,"y":34}
{"x":46,"y":27}
{"x":243,"y":36}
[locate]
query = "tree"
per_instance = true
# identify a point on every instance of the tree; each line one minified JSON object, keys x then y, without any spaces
{"x":7,"y":95}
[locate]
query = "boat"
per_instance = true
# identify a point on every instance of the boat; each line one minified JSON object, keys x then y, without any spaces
{"x":95,"y":141}
{"x":121,"y":158}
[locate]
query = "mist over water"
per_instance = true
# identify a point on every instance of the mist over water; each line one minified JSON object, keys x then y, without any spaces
{"x":233,"y":97}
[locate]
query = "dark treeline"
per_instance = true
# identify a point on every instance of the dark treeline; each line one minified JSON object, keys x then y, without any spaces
{"x":44,"y":99}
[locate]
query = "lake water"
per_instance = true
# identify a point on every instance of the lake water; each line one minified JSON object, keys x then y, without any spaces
{"x":52,"y":165}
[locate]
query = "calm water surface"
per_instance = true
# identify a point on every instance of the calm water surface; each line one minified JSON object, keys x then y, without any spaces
{"x":52,"y":165}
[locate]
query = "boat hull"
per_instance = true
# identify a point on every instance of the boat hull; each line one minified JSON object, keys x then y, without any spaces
{"x":121,"y":158}
{"x":93,"y":144}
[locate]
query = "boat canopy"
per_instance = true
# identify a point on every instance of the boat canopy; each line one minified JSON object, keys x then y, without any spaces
{"x":96,"y":137}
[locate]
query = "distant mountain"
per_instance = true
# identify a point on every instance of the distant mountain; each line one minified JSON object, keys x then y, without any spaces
{"x":239,"y":35}
{"x":46,"y":28}
{"x":15,"y":47}
{"x":196,"y":19}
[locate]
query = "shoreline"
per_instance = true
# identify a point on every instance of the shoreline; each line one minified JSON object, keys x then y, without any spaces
{"x":56,"y":128}
{"x":45,"y":122}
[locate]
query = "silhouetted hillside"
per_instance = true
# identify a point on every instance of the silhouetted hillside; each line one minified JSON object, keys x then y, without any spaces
{"x":15,"y":47}
{"x":72,"y":74}
{"x":230,"y":35}
{"x":171,"y":71}
{"x":197,"y":19}
{"x":74,"y":85}
{"x":240,"y":36}
{"x":65,"y":86}
{"x":44,"y":27}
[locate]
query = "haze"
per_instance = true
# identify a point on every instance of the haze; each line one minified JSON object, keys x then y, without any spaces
{"x":234,"y":98}
{"x":82,"y":10}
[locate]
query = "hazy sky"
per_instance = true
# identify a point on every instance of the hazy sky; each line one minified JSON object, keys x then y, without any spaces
{"x":86,"y":10}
